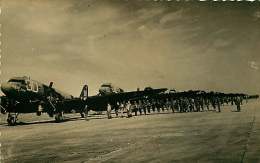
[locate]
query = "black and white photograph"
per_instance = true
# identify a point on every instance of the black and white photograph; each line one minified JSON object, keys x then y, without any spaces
{"x":129,"y":81}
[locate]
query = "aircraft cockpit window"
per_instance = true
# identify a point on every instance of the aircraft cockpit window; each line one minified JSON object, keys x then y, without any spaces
{"x":17,"y":81}
{"x":29,"y":85}
{"x":35,"y":87}
{"x":106,"y":85}
{"x":32,"y":86}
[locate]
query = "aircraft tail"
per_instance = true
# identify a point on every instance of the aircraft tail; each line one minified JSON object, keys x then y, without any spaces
{"x":84,"y":92}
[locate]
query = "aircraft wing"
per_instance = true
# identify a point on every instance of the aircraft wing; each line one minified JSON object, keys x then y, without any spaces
{"x":98,"y":103}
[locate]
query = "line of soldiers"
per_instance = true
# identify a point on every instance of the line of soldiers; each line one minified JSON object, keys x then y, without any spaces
{"x":178,"y":102}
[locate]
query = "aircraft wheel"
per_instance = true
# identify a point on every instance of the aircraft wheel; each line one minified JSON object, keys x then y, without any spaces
{"x":38,"y":113}
{"x":59,"y":117}
{"x":82,"y":115}
{"x":11,"y":120}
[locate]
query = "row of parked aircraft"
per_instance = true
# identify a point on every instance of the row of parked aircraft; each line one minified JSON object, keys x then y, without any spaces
{"x":24,"y":95}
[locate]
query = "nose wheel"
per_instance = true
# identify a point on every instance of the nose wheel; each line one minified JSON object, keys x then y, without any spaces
{"x":59,"y":117}
{"x":12,"y":119}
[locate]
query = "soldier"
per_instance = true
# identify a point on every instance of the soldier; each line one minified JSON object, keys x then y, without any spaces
{"x":167,"y":104}
{"x":187,"y":104}
{"x":148,"y":106}
{"x":140,"y":106}
{"x":173,"y":104}
{"x":232,"y":101}
{"x":206,"y":100}
{"x":201,"y":102}
{"x":218,"y":103}
{"x":196,"y":103}
{"x":129,"y":109}
{"x":177,"y":104}
{"x":134,"y":107}
{"x":109,"y":109}
{"x":117,"y":105}
{"x":191,"y":104}
{"x":84,"y":113}
{"x":212,"y":100}
{"x":153,"y":105}
{"x":162,"y":104}
{"x":241,"y":100}
{"x":237,"y":102}
{"x":181,"y":105}
{"x":157,"y":105}
{"x":121,"y":108}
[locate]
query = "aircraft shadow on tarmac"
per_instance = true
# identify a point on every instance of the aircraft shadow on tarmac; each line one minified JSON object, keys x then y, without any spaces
{"x":67,"y":119}
{"x":90,"y":117}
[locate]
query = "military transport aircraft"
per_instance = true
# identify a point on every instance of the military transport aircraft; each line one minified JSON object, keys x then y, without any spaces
{"x":24,"y":95}
{"x":109,"y":88}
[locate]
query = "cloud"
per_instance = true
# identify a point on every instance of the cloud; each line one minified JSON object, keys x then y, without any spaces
{"x":257,"y":15}
{"x":219,"y":43}
{"x":253,"y":65}
{"x":130,"y":44}
{"x":172,"y":17}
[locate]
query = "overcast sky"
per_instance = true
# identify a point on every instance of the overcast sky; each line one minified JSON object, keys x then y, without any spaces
{"x":209,"y":46}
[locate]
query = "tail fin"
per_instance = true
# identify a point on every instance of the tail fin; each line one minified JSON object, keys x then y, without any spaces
{"x":84,"y":92}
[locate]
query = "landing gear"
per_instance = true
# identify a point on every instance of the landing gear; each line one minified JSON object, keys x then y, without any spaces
{"x":116,"y":111}
{"x":40,"y":109}
{"x":12,"y":118}
{"x":82,"y":114}
{"x":59,"y":117}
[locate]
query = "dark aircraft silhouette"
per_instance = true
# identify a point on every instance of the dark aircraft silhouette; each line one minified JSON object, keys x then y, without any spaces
{"x":23,"y":95}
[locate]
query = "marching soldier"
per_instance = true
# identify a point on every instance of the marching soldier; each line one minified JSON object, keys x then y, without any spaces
{"x":157,"y":105}
{"x":207,"y":103}
{"x":237,"y":103}
{"x":109,"y":109}
{"x":134,"y":107}
{"x":117,"y":107}
{"x":153,"y":105}
{"x":121,"y":108}
{"x":148,"y":106}
{"x":142,"y":106}
{"x":191,"y":104}
{"x":218,"y":103}
{"x":168,"y":104}
{"x":129,"y":109}
{"x":173,"y":104}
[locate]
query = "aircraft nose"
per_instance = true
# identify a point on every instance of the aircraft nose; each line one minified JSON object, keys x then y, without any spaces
{"x":6,"y":87}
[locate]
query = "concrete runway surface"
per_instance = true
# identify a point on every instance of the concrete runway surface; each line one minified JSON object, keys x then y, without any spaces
{"x":170,"y":137}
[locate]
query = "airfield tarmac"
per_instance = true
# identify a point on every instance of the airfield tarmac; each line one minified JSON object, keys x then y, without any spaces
{"x":169,"y":137}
